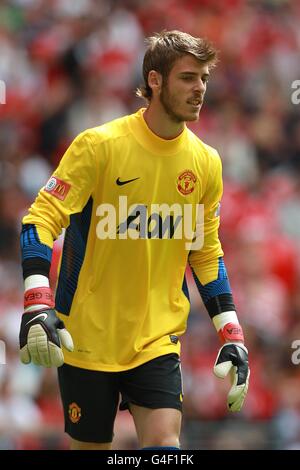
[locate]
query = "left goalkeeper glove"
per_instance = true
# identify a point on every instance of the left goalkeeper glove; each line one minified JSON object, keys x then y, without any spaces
{"x":233,"y":357}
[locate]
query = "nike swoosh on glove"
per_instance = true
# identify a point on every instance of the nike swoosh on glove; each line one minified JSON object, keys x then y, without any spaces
{"x":41,"y":335}
{"x":233,"y":358}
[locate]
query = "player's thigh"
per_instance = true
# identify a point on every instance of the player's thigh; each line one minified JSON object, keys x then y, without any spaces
{"x":79,"y":445}
{"x":90,"y":400}
{"x":153,"y":392}
{"x":157,"y":427}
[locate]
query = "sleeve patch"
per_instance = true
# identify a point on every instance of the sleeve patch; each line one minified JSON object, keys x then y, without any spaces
{"x":58,"y":188}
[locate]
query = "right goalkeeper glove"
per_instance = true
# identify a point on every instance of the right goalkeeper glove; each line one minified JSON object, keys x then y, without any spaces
{"x":233,"y":358}
{"x":41,"y":336}
{"x":42,"y":333}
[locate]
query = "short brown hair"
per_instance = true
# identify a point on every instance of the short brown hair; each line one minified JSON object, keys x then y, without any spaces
{"x":165,"y":48}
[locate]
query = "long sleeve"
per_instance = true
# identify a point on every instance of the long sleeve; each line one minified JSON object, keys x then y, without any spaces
{"x":66,"y":192}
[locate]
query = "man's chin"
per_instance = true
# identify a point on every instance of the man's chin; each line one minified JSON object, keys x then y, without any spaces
{"x":192,"y":117}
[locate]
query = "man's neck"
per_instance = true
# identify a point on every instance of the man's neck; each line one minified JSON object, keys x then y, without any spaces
{"x":160,"y":122}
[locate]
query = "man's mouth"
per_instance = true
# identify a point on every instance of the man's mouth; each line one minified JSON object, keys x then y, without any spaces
{"x":195,"y":102}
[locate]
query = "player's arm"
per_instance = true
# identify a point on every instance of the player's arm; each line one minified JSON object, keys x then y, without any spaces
{"x":211,"y":278}
{"x":42,"y":333}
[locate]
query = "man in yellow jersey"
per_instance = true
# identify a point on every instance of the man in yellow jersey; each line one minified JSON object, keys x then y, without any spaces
{"x":139,"y":198}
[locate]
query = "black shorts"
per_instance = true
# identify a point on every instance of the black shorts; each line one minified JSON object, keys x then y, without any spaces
{"x":91,"y":398}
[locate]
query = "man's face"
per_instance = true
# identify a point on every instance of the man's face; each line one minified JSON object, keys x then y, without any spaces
{"x":183,"y":92}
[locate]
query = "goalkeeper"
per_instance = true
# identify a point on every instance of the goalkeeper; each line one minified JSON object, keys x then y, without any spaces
{"x":121,"y":302}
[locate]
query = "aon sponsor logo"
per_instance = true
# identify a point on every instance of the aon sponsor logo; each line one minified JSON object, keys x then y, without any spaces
{"x":159,"y":221}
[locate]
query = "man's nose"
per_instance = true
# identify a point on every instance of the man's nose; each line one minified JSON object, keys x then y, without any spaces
{"x":200,"y":86}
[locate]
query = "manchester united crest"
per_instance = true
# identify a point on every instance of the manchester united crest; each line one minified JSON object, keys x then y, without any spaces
{"x":186,"y":182}
{"x":74,"y":412}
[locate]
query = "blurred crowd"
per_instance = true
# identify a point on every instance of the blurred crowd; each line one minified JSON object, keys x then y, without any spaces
{"x":69,"y":65}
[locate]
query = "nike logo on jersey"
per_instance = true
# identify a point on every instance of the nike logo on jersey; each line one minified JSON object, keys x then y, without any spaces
{"x":44,"y":315}
{"x":120,"y":183}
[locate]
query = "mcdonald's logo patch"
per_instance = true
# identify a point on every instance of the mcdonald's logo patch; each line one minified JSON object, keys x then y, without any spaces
{"x":57,"y":188}
{"x":74,"y":412}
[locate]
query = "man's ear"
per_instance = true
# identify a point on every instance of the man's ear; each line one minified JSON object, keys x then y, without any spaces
{"x":155,"y":81}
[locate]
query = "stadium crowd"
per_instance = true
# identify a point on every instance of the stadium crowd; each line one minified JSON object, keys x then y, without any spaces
{"x":68,"y":66}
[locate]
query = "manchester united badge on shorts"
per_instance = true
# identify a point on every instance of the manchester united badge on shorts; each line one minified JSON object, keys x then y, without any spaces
{"x":74,"y":412}
{"x":186,"y":182}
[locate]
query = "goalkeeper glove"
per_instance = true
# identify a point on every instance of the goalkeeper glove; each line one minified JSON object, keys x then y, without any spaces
{"x":42,"y":333}
{"x":41,"y":336}
{"x":233,"y":358}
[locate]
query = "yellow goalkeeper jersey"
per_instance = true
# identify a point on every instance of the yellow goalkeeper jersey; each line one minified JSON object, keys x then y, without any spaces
{"x":131,"y":203}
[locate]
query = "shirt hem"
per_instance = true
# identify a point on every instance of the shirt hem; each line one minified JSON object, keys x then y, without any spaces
{"x":144,"y":357}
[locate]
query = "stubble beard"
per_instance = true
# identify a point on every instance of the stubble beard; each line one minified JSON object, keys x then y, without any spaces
{"x":167,"y":103}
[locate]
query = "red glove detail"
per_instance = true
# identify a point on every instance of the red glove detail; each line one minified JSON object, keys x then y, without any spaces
{"x":231,"y":332}
{"x":39,"y":295}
